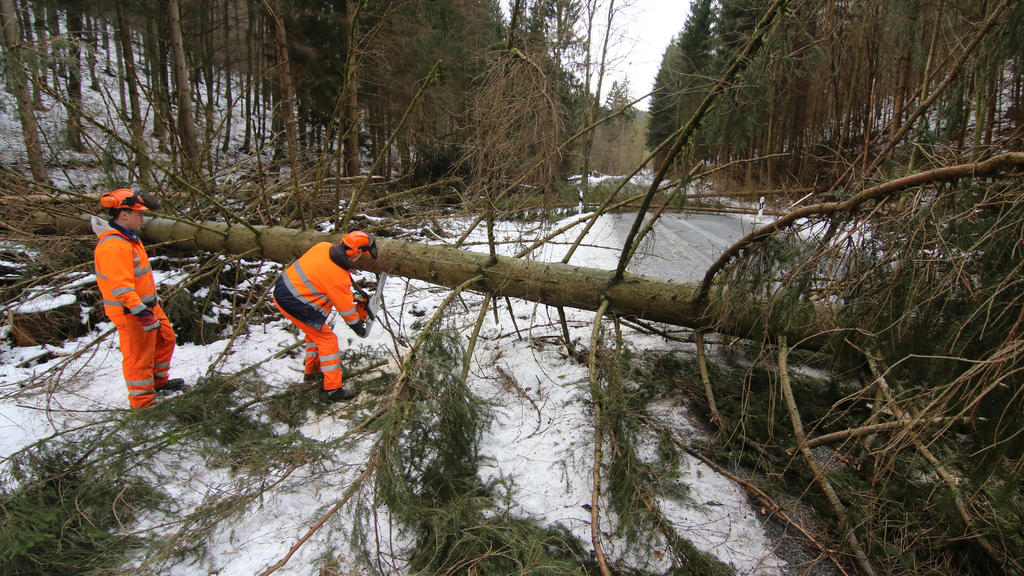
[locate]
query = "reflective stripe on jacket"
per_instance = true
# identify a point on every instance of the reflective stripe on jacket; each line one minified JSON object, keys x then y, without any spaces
{"x":123,"y":272}
{"x":313,"y":286}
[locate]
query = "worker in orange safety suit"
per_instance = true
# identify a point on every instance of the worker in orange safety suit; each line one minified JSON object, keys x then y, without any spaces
{"x":126,"y":284}
{"x":309,"y":289}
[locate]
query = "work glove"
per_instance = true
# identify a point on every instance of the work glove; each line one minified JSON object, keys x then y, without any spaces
{"x":359,"y":328}
{"x":149,"y":321}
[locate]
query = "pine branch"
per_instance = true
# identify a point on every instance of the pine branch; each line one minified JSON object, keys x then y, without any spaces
{"x":705,"y":379}
{"x":595,"y":495}
{"x":948,"y":480}
{"x":774,"y":509}
{"x":801,"y":439}
{"x":356,"y":485}
{"x":1002,"y":163}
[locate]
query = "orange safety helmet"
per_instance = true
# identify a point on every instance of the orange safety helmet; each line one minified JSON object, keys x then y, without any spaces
{"x":126,"y":198}
{"x":359,"y":241}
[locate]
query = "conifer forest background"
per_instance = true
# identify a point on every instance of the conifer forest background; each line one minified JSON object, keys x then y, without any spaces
{"x":876,"y":384}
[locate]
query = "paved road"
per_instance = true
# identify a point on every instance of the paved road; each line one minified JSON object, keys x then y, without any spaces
{"x":683,"y":246}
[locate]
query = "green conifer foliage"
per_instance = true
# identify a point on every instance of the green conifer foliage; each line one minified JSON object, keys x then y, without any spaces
{"x":62,"y":512}
{"x":427,"y":478}
{"x":685,"y":76}
{"x":930,"y":295}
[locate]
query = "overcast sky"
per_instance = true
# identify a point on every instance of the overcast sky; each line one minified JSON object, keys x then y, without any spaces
{"x":646,"y":28}
{"x":643,"y":30}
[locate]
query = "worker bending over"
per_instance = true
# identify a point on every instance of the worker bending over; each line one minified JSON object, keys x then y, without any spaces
{"x":309,"y":289}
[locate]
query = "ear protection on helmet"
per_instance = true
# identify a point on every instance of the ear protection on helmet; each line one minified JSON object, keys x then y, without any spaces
{"x":359,"y":241}
{"x":128,"y":198}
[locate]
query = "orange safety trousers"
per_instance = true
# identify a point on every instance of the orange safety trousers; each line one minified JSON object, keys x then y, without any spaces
{"x":146,"y":356}
{"x":322,"y":351}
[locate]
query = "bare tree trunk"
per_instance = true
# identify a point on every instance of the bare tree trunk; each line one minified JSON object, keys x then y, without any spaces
{"x":1016,"y":142}
{"x":284,"y":75}
{"x":57,"y":60}
{"x":119,"y":73}
{"x":186,"y":117}
{"x":994,"y":103}
{"x":596,"y":104}
{"x":981,"y":97}
{"x":250,"y":77}
{"x":286,"y":106}
{"x":209,"y":75}
{"x":73,"y":138}
{"x":263,"y":99}
{"x":595,"y":490}
{"x":228,"y":76}
{"x":39,"y":75}
{"x":19,"y":85}
{"x":158,"y":83}
{"x":350,"y":122}
{"x":91,"y":40}
{"x":124,"y":35}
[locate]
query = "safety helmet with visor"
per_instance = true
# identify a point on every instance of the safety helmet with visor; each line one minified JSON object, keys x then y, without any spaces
{"x":128,"y":199}
{"x":357,"y":242}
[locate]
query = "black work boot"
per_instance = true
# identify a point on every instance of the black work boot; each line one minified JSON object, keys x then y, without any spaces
{"x":313,"y":377}
{"x":340,"y":395}
{"x":172,"y":385}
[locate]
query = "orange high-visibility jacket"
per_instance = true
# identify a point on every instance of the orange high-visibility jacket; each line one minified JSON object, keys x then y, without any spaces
{"x":309,"y":287}
{"x":123,"y":273}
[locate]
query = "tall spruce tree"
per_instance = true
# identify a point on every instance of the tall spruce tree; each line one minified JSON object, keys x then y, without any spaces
{"x":662,"y":119}
{"x":684,"y":75}
{"x":619,"y":143}
{"x":76,"y":32}
{"x":732,"y":125}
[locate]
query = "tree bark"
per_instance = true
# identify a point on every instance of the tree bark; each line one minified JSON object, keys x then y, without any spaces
{"x":158,"y":91}
{"x":595,"y":105}
{"x":186,"y":117}
{"x":250,"y":84}
{"x":74,"y":105}
{"x":19,"y":84}
{"x":229,"y":75}
{"x":208,"y":72}
{"x":350,"y":122}
{"x":553,"y":284}
{"x":286,"y":106}
{"x":284,"y":75}
{"x":40,"y":76}
{"x":124,"y":36}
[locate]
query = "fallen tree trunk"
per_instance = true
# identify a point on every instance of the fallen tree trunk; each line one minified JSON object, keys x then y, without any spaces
{"x":550,"y":283}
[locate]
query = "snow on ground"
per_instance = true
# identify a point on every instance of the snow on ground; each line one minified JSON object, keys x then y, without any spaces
{"x":540,"y":439}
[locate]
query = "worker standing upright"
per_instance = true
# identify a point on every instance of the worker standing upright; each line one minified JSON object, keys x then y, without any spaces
{"x":125,"y":280}
{"x":318,"y":282}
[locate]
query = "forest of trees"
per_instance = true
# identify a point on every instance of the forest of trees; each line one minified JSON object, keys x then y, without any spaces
{"x":332,"y":88}
{"x":322,"y":89}
{"x":837,"y":82}
{"x":889,"y":135}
